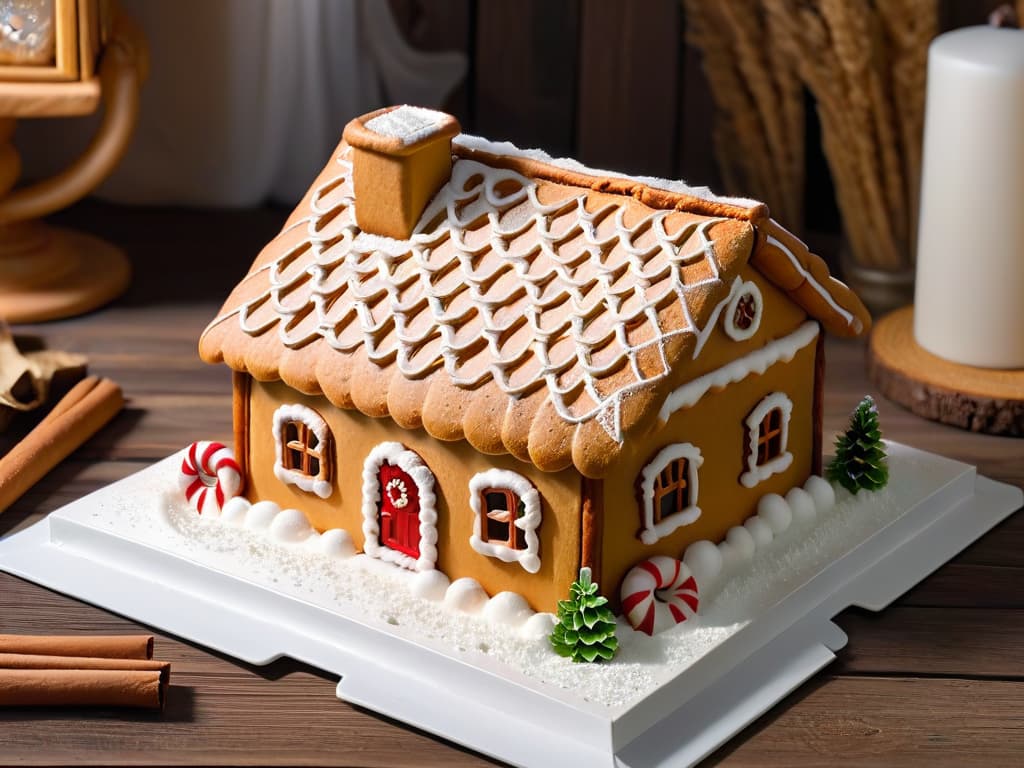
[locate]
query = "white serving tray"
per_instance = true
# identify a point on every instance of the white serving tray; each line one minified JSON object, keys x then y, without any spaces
{"x":686,"y":717}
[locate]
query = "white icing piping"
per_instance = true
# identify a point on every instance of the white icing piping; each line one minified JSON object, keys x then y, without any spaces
{"x":385,"y":280}
{"x":410,"y":463}
{"x":734,"y":331}
{"x":528,"y":558}
{"x":758,"y":361}
{"x":319,"y":484}
{"x":653,"y":531}
{"x":705,"y":333}
{"x":757,"y":473}
{"x":507,"y":149}
{"x":846,"y":315}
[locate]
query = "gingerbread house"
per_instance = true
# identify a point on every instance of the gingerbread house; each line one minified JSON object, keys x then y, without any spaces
{"x":479,"y":359}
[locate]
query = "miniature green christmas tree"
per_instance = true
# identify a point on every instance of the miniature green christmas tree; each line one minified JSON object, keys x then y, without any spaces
{"x":860,"y":455}
{"x":586,"y":625}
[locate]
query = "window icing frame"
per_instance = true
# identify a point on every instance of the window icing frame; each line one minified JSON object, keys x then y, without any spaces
{"x":650,"y":531}
{"x":522,"y":489}
{"x":729,"y":321}
{"x":755,"y":472}
{"x":320,"y":484}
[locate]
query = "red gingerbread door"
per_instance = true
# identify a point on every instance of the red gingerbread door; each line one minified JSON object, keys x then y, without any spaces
{"x":399,"y":511}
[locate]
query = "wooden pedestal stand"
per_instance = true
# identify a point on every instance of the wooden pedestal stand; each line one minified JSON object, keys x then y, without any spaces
{"x":48,"y":273}
{"x":979,"y":399}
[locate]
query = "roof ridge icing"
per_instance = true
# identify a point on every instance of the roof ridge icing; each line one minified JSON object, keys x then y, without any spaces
{"x":655,"y":192}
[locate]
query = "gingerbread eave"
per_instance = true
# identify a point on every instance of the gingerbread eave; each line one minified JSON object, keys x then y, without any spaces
{"x":269,"y":329}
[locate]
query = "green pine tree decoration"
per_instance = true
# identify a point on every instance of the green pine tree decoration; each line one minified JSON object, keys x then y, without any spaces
{"x":586,"y":625}
{"x":860,"y":454}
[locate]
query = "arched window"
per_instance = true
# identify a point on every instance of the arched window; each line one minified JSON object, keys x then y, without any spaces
{"x":742,"y":315}
{"x":506,"y":517}
{"x":767,"y":439}
{"x":303,"y":449}
{"x":668,"y":490}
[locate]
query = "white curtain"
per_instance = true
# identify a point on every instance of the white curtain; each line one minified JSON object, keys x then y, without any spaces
{"x":247,"y":98}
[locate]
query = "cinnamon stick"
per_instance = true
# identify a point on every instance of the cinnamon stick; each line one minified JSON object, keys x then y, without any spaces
{"x":89,"y":646}
{"x":87,"y":409}
{"x":73,"y":396}
{"x":82,"y":688}
{"x":39,"y":661}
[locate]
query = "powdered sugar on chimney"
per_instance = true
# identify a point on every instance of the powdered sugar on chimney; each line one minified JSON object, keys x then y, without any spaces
{"x":408,"y":124}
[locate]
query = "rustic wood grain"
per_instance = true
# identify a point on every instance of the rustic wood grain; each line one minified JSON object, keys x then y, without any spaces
{"x":887,"y":721}
{"x":525,"y":73}
{"x":950,"y":642}
{"x":628,"y":85}
{"x":934,"y":679}
{"x":695,"y":151}
{"x":980,"y":399}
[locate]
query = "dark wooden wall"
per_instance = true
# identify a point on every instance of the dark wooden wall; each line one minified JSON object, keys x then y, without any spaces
{"x":609,"y":82}
{"x":604,"y":81}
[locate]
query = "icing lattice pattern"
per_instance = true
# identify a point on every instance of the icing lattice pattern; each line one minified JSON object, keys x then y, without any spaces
{"x":504,"y":280}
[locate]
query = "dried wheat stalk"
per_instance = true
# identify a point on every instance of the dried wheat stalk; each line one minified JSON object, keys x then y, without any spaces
{"x":758,"y":97}
{"x":865,"y":63}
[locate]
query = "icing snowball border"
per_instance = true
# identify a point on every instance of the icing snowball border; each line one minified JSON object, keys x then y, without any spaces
{"x":757,"y":473}
{"x":529,"y":558}
{"x":321,"y":484}
{"x":409,"y":462}
{"x":652,"y":532}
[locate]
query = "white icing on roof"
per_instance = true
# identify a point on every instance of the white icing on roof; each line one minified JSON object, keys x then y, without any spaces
{"x":508,"y":149}
{"x":408,"y":124}
{"x":548,"y":293}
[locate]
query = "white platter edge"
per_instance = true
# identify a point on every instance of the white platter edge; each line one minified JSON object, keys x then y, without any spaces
{"x":682,"y":721}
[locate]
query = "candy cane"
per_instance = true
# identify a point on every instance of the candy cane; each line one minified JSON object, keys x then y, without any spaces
{"x":657,"y":594}
{"x":209,"y":476}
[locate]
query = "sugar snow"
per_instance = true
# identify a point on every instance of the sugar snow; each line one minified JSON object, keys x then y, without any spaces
{"x":321,"y":569}
{"x":408,"y":124}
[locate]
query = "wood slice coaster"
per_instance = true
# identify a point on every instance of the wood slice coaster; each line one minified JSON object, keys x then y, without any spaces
{"x":979,"y":399}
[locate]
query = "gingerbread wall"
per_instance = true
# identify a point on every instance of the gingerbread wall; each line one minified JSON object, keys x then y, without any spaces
{"x":452,"y":463}
{"x":716,"y":425}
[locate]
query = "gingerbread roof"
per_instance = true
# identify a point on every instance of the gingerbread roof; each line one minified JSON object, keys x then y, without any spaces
{"x":539,"y":309}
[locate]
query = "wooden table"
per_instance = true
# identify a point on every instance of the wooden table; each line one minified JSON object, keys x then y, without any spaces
{"x":933,"y":680}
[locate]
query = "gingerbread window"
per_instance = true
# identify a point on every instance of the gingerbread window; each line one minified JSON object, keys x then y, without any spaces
{"x":303,"y":449}
{"x":668,"y":491}
{"x":506,"y":518}
{"x":742,"y":316}
{"x":767,"y":428}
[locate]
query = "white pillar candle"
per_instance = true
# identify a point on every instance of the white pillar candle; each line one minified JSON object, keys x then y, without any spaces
{"x":969,"y":302}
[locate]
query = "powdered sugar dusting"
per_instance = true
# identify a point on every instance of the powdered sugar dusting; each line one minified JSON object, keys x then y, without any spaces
{"x":146,"y":509}
{"x":408,"y":124}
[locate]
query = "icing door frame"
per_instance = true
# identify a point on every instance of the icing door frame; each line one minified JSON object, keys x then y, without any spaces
{"x":408,"y":508}
{"x":399,"y":515}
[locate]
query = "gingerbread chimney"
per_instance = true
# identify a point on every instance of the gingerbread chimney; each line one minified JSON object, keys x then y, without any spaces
{"x":401,"y":156}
